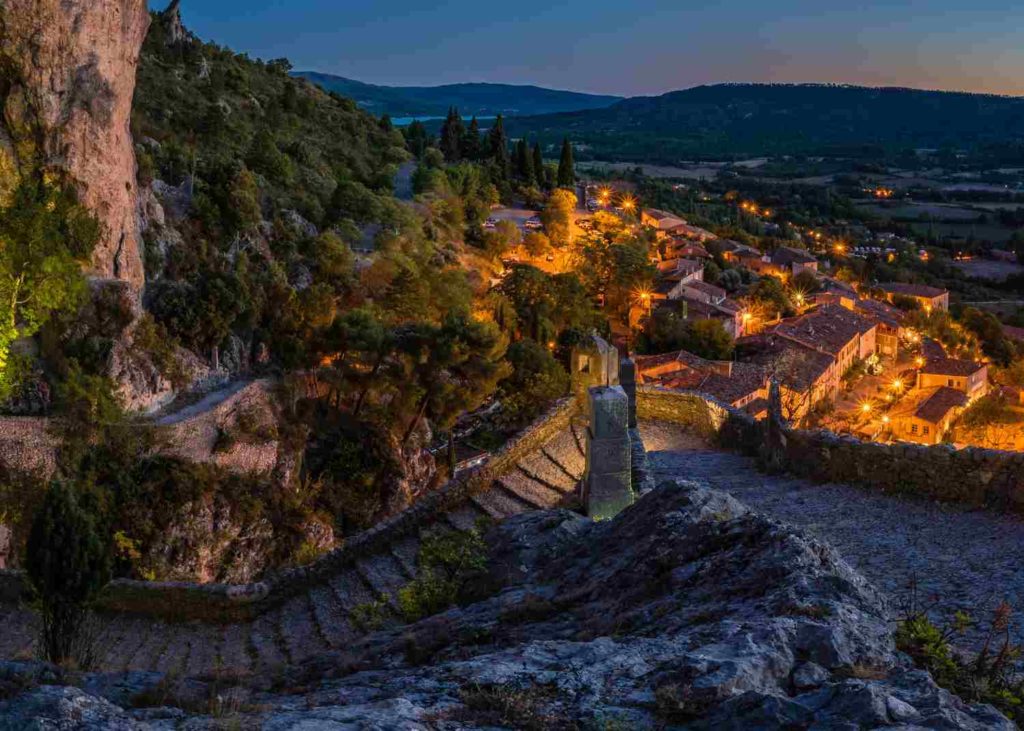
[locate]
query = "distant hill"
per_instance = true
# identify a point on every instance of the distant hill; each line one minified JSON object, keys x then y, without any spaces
{"x":737,"y":119}
{"x":481,"y":100}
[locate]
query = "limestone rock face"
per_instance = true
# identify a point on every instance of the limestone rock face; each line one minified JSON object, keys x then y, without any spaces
{"x":71,"y":66}
{"x":687,"y":610}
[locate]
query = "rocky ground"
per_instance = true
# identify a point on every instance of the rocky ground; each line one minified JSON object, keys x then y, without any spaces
{"x":688,"y":610}
{"x":958,"y":558}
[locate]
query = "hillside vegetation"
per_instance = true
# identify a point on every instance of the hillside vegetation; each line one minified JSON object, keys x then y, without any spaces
{"x":478,"y":99}
{"x":754,"y":119}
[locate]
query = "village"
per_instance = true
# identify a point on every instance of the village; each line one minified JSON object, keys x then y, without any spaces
{"x":866,"y":359}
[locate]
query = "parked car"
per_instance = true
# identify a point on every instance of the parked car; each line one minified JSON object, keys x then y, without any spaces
{"x":533,"y":223}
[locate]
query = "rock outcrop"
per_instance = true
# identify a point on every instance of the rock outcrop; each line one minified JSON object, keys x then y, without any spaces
{"x":687,"y":610}
{"x":69,"y":77}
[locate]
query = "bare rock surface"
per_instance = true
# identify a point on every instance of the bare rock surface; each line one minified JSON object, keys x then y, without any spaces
{"x":687,"y":610}
{"x":967,"y":559}
{"x":72,"y":65}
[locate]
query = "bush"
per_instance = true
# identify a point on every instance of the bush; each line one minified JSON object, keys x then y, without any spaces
{"x":447,"y":562}
{"x":68,"y":564}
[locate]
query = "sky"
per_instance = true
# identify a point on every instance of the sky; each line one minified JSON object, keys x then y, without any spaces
{"x":632,"y":47}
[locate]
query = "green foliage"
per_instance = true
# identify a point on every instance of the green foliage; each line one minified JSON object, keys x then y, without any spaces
{"x":769,"y":295}
{"x":537,"y":380}
{"x":557,"y":216}
{"x":566,"y":167}
{"x":990,"y":676}
{"x":68,"y":563}
{"x":370,"y":616}
{"x":547,"y":305}
{"x":45,"y":236}
{"x":670,"y":329}
{"x":448,"y":562}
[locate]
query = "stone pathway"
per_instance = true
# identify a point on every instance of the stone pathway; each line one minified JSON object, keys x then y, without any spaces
{"x":969,"y":559}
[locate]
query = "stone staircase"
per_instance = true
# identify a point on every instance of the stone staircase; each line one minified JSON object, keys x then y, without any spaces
{"x":321,"y":618}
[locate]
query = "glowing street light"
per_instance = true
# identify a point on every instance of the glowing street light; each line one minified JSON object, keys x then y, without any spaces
{"x":628,"y":203}
{"x":919,"y":361}
{"x":897,"y":384}
{"x":885,"y":419}
{"x":865,"y":408}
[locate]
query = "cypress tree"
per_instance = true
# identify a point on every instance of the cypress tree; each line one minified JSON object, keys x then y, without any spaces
{"x":524,"y":162}
{"x":471,"y":142}
{"x":497,"y":146}
{"x":566,"y":167}
{"x":416,"y":138}
{"x":67,"y":564}
{"x":386,"y":124}
{"x":538,"y":164}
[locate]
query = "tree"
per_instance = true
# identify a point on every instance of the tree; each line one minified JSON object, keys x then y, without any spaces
{"x":452,"y":133}
{"x":537,"y":244}
{"x":416,"y":138}
{"x":497,"y":147}
{"x":537,"y":379}
{"x":566,"y":167}
{"x":538,"y":164}
{"x":471,"y":146}
{"x":524,"y":163}
{"x":506,"y":235}
{"x":45,"y":237}
{"x":244,"y":212}
{"x":452,"y":368}
{"x":806,"y":282}
{"x":769,"y":296}
{"x":557,"y":216}
{"x":67,"y":564}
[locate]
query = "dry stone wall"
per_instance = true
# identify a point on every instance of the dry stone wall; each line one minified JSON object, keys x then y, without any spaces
{"x":978,"y":477}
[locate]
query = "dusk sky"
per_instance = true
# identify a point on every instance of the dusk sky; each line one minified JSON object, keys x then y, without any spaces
{"x":631,"y":48}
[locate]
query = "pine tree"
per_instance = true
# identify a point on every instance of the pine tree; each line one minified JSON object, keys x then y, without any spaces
{"x":416,"y":138}
{"x":566,"y":167}
{"x":497,"y":147}
{"x":471,"y":142}
{"x":67,"y":564}
{"x":452,"y":133}
{"x":386,"y":124}
{"x":538,"y":164}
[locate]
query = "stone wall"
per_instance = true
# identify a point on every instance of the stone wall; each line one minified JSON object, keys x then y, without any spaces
{"x":722,"y":424}
{"x":238,"y":602}
{"x":27,"y":446}
{"x":973,"y":476}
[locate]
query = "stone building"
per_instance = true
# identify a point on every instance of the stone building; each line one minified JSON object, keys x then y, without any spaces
{"x":966,"y":376}
{"x":926,"y":414}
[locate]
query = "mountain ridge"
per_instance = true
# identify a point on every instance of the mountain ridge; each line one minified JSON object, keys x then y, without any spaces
{"x":480,"y":98}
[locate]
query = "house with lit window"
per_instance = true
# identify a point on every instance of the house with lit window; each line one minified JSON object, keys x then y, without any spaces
{"x":661,"y":221}
{"x":929,"y":298}
{"x":844,"y":335}
{"x":741,"y":385}
{"x":925,"y":415}
{"x":965,"y":376}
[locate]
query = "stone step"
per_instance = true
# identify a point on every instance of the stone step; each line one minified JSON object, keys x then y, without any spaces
{"x":540,"y":467}
{"x":158,"y":636}
{"x":499,"y":504}
{"x":351,"y":590}
{"x":264,"y":636}
{"x":21,"y":627}
{"x":235,"y":652}
{"x":579,"y":433}
{"x":204,"y":649}
{"x":299,"y":629}
{"x":467,"y":516}
{"x":564,"y":451}
{"x":122,"y":639}
{"x":384,"y":575}
{"x":174,"y":656}
{"x":406,"y":551}
{"x":536,"y":494}
{"x":333,"y":621}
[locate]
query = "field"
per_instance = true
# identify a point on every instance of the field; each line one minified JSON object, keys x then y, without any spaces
{"x":907,"y":211}
{"x":996,"y":271}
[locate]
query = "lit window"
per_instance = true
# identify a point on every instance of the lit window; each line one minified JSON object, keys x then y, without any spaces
{"x":913,"y":428}
{"x":926,"y":430}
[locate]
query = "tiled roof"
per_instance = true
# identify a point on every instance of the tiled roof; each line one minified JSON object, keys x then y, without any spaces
{"x":912,"y":290}
{"x":709,"y":289}
{"x":930,"y":404}
{"x":829,"y":328}
{"x":797,"y":366}
{"x":660,"y":215}
{"x":726,"y":381}
{"x":786,"y":255}
{"x":880,"y":312}
{"x":951,"y":367}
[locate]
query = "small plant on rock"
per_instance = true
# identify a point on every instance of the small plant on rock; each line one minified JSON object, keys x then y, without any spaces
{"x":447,"y":562}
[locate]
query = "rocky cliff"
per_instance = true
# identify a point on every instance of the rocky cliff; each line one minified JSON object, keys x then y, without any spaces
{"x":687,"y":610}
{"x":68,"y":77}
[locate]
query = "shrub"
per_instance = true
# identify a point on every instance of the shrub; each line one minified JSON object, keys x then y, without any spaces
{"x":447,"y":562}
{"x":67,"y":564}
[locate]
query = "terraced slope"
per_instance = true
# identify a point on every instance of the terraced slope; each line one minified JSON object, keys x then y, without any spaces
{"x":321,"y":618}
